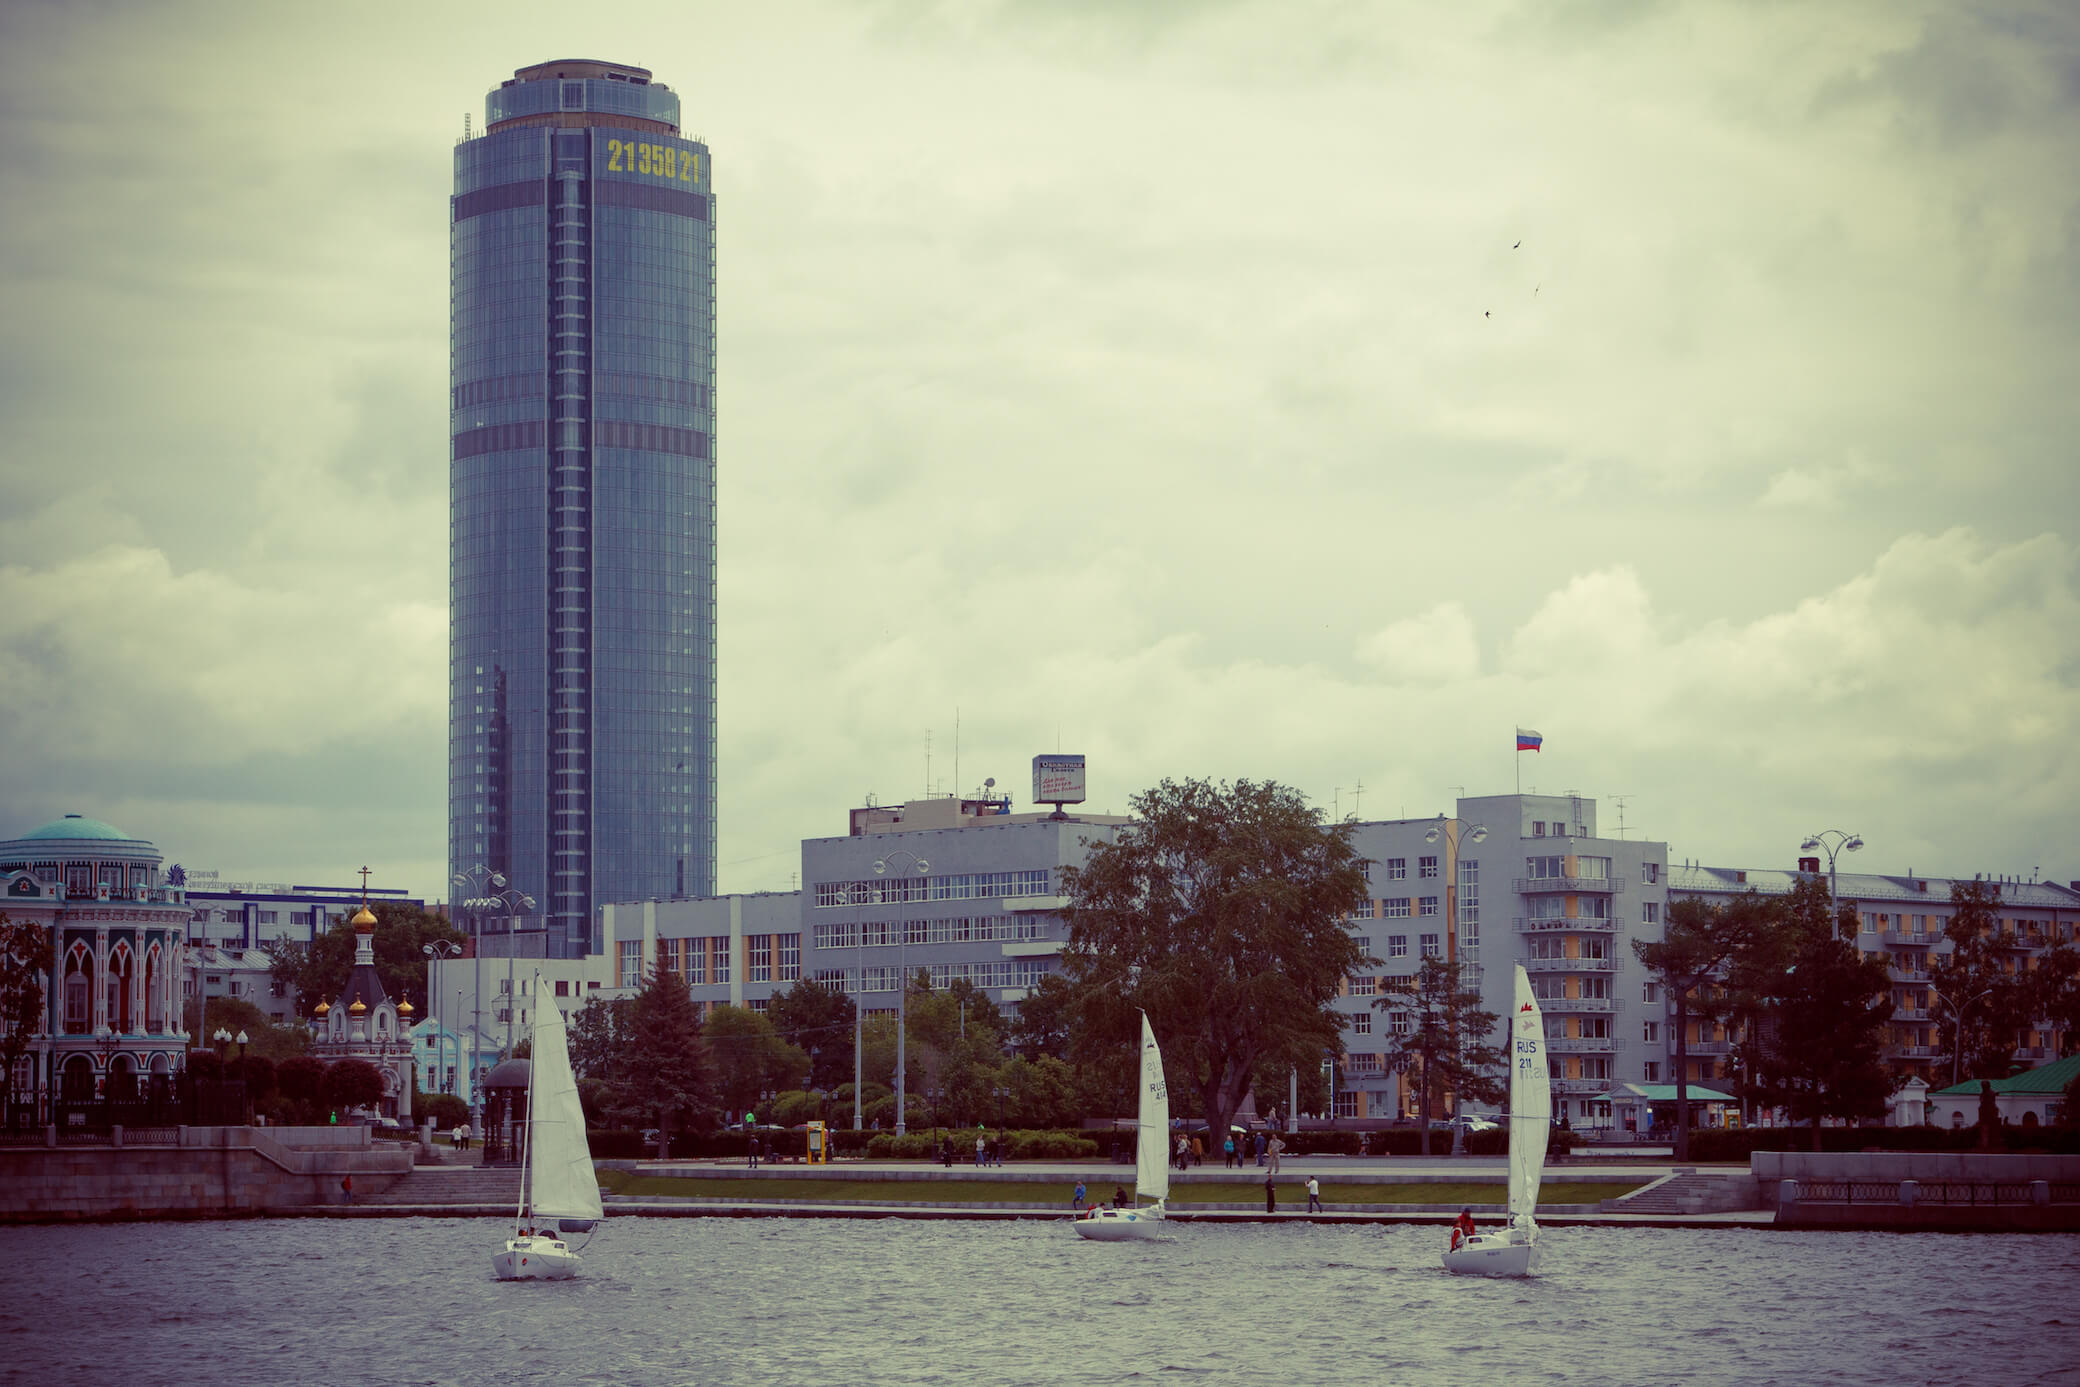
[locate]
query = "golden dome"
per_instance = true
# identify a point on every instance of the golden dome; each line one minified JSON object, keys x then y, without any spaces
{"x":324,"y":1008}
{"x":363,"y":922}
{"x":357,"y":1008}
{"x":404,"y":1008}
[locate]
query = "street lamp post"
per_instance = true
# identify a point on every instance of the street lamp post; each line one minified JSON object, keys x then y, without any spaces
{"x":434,"y":953}
{"x":997,"y":1092}
{"x":923,"y":868}
{"x":492,"y":893}
{"x":1843,"y":842}
{"x":1957,"y":1011}
{"x":1443,"y":831}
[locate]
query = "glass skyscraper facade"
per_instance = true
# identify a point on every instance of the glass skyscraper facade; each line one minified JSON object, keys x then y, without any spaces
{"x":581,"y":736}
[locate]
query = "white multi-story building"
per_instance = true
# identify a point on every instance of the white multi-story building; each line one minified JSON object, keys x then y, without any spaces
{"x":960,"y":887}
{"x":1511,"y":879}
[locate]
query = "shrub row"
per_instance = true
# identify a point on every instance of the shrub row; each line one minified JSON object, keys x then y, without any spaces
{"x":1018,"y":1146}
{"x":916,"y":1146}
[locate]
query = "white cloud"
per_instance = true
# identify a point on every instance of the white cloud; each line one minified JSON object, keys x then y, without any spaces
{"x":1433,"y":648}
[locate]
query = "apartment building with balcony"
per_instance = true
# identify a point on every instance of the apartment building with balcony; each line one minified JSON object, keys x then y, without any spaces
{"x":1901,"y":919}
{"x":1507,"y":880}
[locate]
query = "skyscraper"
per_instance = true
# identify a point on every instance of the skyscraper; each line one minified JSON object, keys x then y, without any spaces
{"x":581,"y":733}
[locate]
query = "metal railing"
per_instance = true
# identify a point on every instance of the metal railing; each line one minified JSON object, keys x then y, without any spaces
{"x":1564,"y":1005}
{"x":1538,"y":925}
{"x":1606,"y":886}
{"x":1569,"y":965}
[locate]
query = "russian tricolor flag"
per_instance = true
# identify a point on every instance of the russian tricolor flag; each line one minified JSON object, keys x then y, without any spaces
{"x":1528,"y":740}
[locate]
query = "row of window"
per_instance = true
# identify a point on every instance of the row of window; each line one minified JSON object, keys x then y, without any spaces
{"x":986,"y":973}
{"x":950,"y":886}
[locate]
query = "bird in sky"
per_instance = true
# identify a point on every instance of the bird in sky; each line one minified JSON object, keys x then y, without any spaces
{"x":1518,"y":244}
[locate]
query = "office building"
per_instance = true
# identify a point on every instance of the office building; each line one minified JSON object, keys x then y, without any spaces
{"x":581,"y":740}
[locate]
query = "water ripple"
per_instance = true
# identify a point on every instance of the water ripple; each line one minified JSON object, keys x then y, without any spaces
{"x":855,"y":1302}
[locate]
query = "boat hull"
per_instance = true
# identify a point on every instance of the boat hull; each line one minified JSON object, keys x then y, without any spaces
{"x":1120,"y":1225}
{"x":536,"y":1258}
{"x":1493,"y":1254}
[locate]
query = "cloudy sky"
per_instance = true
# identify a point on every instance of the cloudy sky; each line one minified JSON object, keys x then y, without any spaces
{"x":1289,"y":390}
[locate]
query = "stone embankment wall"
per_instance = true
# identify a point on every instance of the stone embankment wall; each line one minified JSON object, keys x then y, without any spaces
{"x":1920,"y":1189}
{"x":210,"y":1172}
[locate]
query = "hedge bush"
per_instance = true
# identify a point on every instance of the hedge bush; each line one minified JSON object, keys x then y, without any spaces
{"x":1018,"y":1146}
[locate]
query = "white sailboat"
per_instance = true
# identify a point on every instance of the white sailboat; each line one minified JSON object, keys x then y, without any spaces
{"x":1512,"y":1250}
{"x":1151,"y":1158}
{"x":557,"y":1185}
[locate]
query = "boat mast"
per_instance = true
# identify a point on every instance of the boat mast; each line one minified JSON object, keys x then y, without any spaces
{"x":526,"y":1128}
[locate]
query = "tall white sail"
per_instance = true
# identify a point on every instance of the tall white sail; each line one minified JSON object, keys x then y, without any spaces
{"x":1530,"y":1101}
{"x":559,"y":1162}
{"x":1152,"y":1142}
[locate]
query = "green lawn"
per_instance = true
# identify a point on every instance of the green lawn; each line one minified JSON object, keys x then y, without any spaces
{"x":1290,"y":1191}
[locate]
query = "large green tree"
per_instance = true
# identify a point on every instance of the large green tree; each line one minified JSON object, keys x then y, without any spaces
{"x":319,"y":970}
{"x":2055,"y":995}
{"x":1811,"y":1009}
{"x":1982,"y":999}
{"x":750,"y":1061}
{"x":661,"y":1074}
{"x":263,"y":1036}
{"x":1045,"y":1019}
{"x":1438,"y":1029}
{"x":25,"y":961}
{"x":1219,"y":911}
{"x":597,"y":1032}
{"x":817,"y":1018}
{"x":1699,"y":942}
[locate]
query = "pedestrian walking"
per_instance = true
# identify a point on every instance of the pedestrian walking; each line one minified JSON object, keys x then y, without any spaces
{"x":1260,"y":1150}
{"x":1228,"y":1152}
{"x":981,"y":1147}
{"x":1278,"y":1148}
{"x":1198,"y":1152}
{"x":1177,"y":1157}
{"x":1076,"y":1202}
{"x":346,"y":1187}
{"x":753,"y":1150}
{"x":1270,"y":1196}
{"x":1314,"y":1195}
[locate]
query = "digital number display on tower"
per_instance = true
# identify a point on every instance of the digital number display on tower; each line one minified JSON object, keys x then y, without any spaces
{"x":661,"y":161}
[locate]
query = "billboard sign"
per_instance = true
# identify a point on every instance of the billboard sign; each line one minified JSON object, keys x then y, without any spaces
{"x":1057,"y":779}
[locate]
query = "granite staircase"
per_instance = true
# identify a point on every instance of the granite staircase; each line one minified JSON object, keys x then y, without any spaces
{"x":1686,"y":1191}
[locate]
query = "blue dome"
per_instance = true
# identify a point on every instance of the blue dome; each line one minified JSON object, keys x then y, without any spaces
{"x":74,"y":826}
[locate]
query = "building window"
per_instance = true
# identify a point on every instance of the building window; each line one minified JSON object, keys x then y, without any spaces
{"x":1398,"y":1023}
{"x":1364,"y":943}
{"x":1538,"y":828}
{"x":1652,"y":1072}
{"x":1361,"y":1023}
{"x":563,"y":988}
{"x":1364,"y":986}
{"x":1426,"y":866}
{"x":1426,"y":905}
{"x":760,"y":968}
{"x":790,"y":956}
{"x":1397,"y":946}
{"x":1653,"y":1033}
{"x":1650,"y":872}
{"x":696,"y":962}
{"x":1397,"y":868}
{"x":1650,"y":992}
{"x":1347,"y":1103}
{"x":1544,"y":868}
{"x":718,"y":959}
{"x":1650,"y":912}
{"x":628,"y":967}
{"x":1431,"y":948}
{"x":1396,"y":909}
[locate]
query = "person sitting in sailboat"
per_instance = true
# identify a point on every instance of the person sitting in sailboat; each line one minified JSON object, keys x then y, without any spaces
{"x":1462,"y":1226}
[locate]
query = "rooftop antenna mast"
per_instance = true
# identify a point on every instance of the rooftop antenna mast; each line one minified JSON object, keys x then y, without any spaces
{"x":1619,"y":800}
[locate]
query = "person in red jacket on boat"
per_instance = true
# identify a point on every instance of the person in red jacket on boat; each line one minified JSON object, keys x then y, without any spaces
{"x":1462,"y":1227}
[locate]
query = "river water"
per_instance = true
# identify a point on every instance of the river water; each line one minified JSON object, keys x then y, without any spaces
{"x":814,"y":1301}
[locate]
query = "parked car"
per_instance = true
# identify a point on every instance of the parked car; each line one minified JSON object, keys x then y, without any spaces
{"x":1473,"y":1122}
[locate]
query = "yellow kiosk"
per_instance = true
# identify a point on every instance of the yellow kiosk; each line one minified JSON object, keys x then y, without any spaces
{"x":819,"y":1145}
